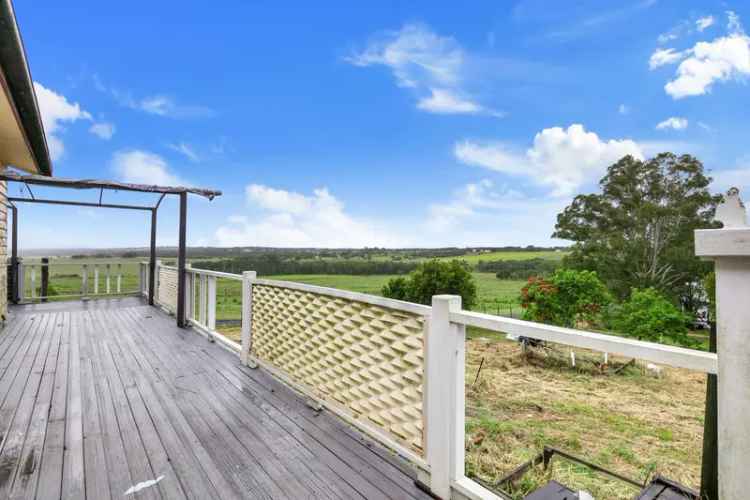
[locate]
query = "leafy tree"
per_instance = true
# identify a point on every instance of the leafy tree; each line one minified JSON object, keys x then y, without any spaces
{"x":434,"y":277}
{"x":568,"y":298}
{"x":638,"y":231}
{"x":649,"y":315}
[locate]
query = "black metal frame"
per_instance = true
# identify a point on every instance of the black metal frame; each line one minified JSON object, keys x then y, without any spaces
{"x":102,"y":185}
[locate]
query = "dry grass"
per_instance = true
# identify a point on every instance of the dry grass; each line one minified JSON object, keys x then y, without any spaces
{"x":632,"y":422}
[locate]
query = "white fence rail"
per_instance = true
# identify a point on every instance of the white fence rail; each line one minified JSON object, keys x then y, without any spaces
{"x":96,"y":279}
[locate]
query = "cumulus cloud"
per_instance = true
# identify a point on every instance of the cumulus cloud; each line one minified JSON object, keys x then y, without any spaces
{"x":723,"y":59}
{"x":143,"y":167}
{"x":56,"y":110}
{"x":290,"y":219}
{"x":562,"y":159}
{"x":431,"y":64}
{"x":103,"y":130}
{"x":674,"y":123}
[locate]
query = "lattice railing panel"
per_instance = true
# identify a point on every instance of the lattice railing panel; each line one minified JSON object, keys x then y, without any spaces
{"x":365,"y":358}
{"x":167,"y":288}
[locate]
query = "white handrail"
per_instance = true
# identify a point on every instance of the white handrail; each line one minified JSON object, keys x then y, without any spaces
{"x":658,"y":353}
{"x":399,"y":305}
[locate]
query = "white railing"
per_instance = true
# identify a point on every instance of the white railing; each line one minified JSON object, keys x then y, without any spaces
{"x":97,"y":279}
{"x":279,"y":334}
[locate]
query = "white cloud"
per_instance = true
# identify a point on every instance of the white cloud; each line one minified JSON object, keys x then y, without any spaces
{"x":433,"y":65}
{"x":562,"y":159}
{"x":289,"y":219}
{"x":55,"y":110}
{"x":103,"y":130}
{"x":704,"y":22}
{"x":674,"y":123}
{"x":186,"y":150}
{"x":623,"y":109}
{"x":725,"y":58}
{"x":662,"y":57}
{"x":143,"y":167}
{"x":156,"y":104}
{"x":445,"y":102}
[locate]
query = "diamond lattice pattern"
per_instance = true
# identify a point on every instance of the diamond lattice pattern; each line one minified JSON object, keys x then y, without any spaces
{"x":366,"y":358}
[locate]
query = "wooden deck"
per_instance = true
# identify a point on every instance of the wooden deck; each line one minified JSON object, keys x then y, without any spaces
{"x":102,"y":397}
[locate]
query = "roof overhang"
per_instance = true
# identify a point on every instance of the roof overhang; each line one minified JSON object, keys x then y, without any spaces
{"x":22,"y":141}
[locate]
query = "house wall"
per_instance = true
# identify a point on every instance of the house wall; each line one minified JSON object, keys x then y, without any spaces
{"x":3,"y":250}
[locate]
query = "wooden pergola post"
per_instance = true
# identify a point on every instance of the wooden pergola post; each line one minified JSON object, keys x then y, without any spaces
{"x":152,"y":260}
{"x":15,"y":292}
{"x":181,"y":262}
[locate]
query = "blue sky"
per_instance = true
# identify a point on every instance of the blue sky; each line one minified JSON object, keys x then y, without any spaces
{"x":389,"y":123}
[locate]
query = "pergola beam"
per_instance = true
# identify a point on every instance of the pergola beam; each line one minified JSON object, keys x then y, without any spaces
{"x":80,"y":203}
{"x":41,"y":180}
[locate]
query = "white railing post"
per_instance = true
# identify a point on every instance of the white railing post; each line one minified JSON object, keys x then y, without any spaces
{"x":729,"y":248}
{"x":247,"y":316}
{"x":119,"y":277}
{"x":202,"y":300}
{"x":211,"y":304}
{"x":96,"y":279}
{"x":444,"y":395}
{"x":107,"y":268}
{"x":33,"y":282}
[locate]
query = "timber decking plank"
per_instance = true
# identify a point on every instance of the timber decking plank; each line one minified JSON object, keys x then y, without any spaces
{"x":285,"y":402}
{"x":136,"y":397}
{"x":158,"y":458}
{"x":50,"y":476}
{"x":96,"y":477}
{"x":28,"y":467}
{"x":135,"y":452}
{"x":73,"y":483}
{"x":114,"y":448}
{"x":23,"y":393}
{"x":250,"y":474}
{"x":208,"y":388}
{"x":264,"y":455}
{"x":352,"y":475}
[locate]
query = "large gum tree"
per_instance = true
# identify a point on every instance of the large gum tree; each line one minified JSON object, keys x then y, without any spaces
{"x":637,"y":232}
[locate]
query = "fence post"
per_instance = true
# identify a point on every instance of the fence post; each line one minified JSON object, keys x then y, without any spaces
{"x":119,"y":278}
{"x":247,"y":316}
{"x":96,"y":279}
{"x":33,"y":282}
{"x":107,"y":269}
{"x":211,"y":304}
{"x":729,"y":248}
{"x":444,"y":395}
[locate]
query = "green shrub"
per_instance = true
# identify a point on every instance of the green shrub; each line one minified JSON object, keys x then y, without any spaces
{"x":434,"y":277}
{"x":568,"y":298}
{"x":649,"y":315}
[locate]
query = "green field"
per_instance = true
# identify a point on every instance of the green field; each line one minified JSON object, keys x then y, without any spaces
{"x":473,"y":258}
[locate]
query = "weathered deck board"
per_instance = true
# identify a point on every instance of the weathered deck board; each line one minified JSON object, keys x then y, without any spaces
{"x":97,"y":397}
